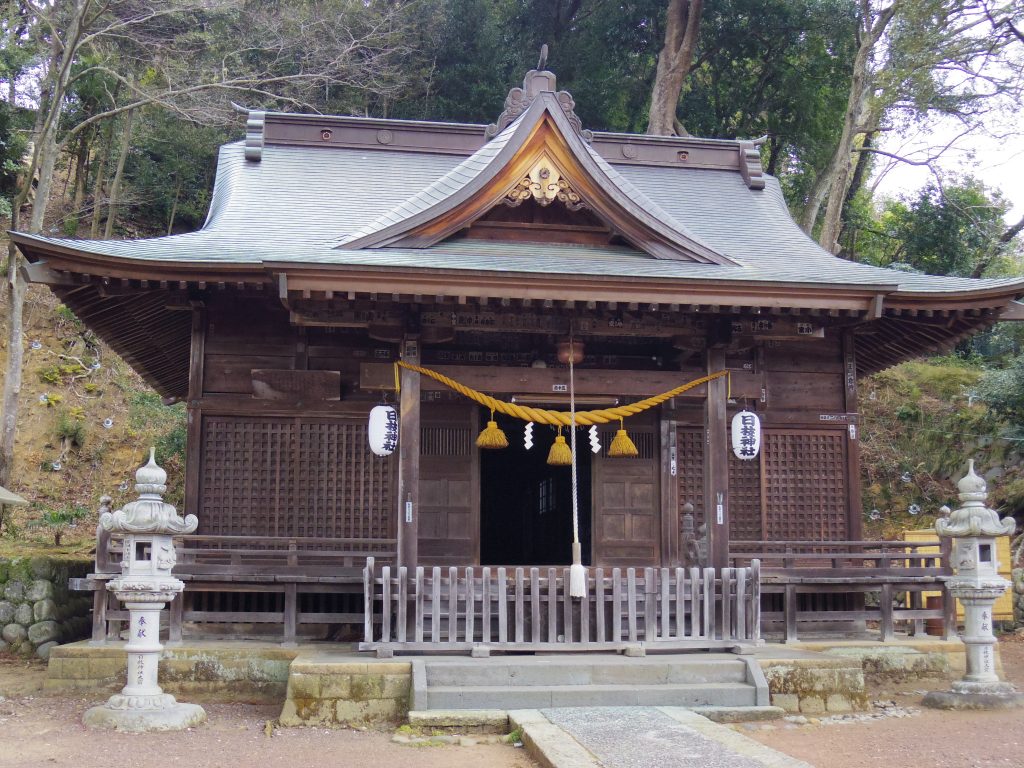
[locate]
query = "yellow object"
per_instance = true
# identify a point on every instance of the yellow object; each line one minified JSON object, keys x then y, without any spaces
{"x":559,"y":418}
{"x":560,"y":455}
{"x":622,"y":446}
{"x":1003,"y":608}
{"x":492,"y":437}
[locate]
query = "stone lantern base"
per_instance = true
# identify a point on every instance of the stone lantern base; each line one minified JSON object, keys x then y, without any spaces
{"x":157,"y":713}
{"x":968,"y":695}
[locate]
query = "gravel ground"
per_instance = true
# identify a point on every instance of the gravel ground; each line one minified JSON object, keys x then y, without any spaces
{"x":915,"y":737}
{"x":38,"y":730}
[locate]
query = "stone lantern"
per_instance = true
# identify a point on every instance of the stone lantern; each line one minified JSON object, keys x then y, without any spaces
{"x":145,"y":586}
{"x":977,"y":584}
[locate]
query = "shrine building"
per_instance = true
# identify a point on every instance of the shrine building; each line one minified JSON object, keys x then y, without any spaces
{"x":336,"y":247}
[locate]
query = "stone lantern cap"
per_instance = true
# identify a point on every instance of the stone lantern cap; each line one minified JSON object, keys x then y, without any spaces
{"x":973,"y":518}
{"x":150,"y":513}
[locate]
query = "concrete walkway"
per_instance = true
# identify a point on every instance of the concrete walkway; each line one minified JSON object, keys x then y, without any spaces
{"x":640,"y":737}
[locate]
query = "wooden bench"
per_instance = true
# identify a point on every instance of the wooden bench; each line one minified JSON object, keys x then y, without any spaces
{"x":856,"y":568}
{"x":215,"y":567}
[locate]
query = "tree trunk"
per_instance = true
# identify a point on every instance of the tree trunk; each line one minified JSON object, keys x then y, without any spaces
{"x":81,"y":179}
{"x":835,"y":179}
{"x":115,"y":186}
{"x":44,"y":135}
{"x":97,"y":187}
{"x":174,"y":208}
{"x":682,"y":24}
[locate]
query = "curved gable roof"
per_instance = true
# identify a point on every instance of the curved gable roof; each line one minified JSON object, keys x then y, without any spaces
{"x":542,"y":133}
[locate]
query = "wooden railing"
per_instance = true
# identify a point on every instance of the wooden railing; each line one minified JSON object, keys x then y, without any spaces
{"x":223,"y":572}
{"x":898,"y":571}
{"x":513,"y":609}
{"x":201,"y":554}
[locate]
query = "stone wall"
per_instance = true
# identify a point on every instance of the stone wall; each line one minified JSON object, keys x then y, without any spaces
{"x":254,"y":672}
{"x":37,"y":610}
{"x":339,"y":692}
{"x":816,"y":686}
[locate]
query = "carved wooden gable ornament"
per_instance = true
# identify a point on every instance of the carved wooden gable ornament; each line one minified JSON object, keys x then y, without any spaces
{"x":540,"y":153}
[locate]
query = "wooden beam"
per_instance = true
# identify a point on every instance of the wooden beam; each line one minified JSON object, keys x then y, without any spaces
{"x":716,"y":463}
{"x":409,"y":459}
{"x":539,"y":381}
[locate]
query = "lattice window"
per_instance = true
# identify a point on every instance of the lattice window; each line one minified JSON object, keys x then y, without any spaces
{"x":805,"y":485}
{"x":293,"y":477}
{"x":645,"y":442}
{"x":690,"y":469}
{"x":744,"y":499}
{"x":445,"y":441}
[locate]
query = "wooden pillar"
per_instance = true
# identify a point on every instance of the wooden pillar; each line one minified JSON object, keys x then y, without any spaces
{"x":409,"y":459}
{"x":193,"y":449}
{"x":670,"y":544}
{"x":854,"y":520}
{"x":716,"y":462}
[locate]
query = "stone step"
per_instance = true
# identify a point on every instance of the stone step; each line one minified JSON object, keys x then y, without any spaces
{"x":537,"y":696}
{"x":595,"y":671}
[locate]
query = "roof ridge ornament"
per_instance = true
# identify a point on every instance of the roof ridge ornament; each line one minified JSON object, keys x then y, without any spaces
{"x":537,"y":81}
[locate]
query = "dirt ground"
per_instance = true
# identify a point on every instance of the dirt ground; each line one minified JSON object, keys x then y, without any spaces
{"x":38,"y":730}
{"x":929,"y":739}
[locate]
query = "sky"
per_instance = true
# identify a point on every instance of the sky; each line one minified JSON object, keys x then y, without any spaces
{"x":997,"y":162}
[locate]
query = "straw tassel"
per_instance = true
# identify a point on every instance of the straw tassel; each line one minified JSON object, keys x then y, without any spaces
{"x":492,"y":437}
{"x":560,"y":455}
{"x":622,"y":447}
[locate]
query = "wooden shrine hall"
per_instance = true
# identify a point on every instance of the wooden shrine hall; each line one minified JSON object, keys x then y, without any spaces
{"x":336,"y":246}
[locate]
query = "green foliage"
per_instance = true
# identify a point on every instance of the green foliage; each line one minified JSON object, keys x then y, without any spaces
{"x":59,"y":520}
{"x":166,"y":424}
{"x":952,"y":230}
{"x":1003,"y":390}
{"x":70,"y":426}
{"x":920,"y":422}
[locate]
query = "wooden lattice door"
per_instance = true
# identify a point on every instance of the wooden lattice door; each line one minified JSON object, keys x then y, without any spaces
{"x":745,"y":518}
{"x":449,"y":528}
{"x":627,"y":502}
{"x":293,"y":476}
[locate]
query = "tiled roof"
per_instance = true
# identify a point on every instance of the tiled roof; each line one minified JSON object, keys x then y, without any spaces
{"x":298,"y":203}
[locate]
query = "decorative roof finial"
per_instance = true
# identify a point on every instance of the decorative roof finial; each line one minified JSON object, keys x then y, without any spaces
{"x":973,"y":518}
{"x":536,"y":82}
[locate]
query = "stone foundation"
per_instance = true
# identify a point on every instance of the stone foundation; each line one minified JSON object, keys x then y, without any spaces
{"x":816,"y":686}
{"x":249,"y":672}
{"x":326,"y":692}
{"x":37,"y":611}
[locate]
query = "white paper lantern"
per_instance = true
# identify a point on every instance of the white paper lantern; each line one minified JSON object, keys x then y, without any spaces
{"x":746,"y":435}
{"x":382,"y":430}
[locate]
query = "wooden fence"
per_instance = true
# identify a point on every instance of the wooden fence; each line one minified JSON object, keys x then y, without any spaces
{"x":515,"y":609}
{"x":818,"y":583}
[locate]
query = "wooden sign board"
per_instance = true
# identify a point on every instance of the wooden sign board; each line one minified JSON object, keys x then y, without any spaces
{"x":307,"y":386}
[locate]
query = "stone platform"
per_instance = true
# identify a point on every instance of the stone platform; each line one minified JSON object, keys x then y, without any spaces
{"x":331,"y":683}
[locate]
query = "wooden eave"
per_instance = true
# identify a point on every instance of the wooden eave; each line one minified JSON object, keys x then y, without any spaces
{"x":542,"y":130}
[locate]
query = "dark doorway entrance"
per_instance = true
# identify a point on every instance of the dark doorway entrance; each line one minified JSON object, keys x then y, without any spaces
{"x":526,"y":505}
